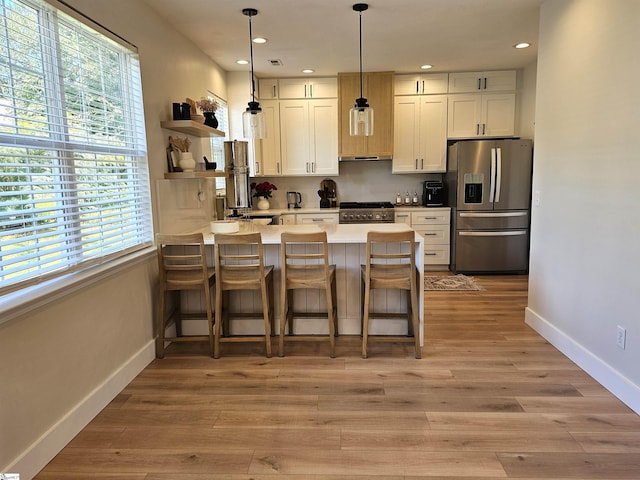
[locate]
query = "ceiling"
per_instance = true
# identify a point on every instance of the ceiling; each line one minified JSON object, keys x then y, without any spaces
{"x":397,"y":35}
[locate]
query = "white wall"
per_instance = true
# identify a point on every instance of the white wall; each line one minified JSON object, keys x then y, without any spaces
{"x":584,"y":278}
{"x":62,"y":362}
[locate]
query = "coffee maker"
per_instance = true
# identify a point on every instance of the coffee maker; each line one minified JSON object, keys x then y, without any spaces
{"x":434,"y":194}
{"x":294,"y":200}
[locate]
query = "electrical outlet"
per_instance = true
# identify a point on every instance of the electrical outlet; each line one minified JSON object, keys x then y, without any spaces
{"x":621,"y":337}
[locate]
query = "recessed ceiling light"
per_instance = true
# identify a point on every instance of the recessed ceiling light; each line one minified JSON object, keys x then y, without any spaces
{"x":522,"y":45}
{"x":242,"y":62}
{"x":308,"y":70}
{"x":426,"y":67}
{"x":259,"y":40}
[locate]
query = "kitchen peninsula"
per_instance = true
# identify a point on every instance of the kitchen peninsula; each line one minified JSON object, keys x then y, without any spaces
{"x":347,"y":244}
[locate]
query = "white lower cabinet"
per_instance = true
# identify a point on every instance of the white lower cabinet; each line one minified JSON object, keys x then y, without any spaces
{"x":287,"y":219}
{"x":310,"y":218}
{"x":434,"y":225}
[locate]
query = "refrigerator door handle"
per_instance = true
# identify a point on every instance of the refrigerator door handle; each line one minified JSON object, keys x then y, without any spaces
{"x":498,"y":173}
{"x":492,"y":184}
{"x":492,"y":215}
{"x":489,"y":233}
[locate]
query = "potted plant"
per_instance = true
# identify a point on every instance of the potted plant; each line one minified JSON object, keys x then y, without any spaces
{"x":262,"y":191}
{"x":208,"y":108}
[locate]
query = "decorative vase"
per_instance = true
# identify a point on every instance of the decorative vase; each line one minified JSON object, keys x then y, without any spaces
{"x":210,"y":119}
{"x":187,"y":162}
{"x":263,"y":204}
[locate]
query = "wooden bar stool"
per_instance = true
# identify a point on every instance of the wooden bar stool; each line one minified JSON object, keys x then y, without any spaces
{"x":239,"y":260}
{"x":306,"y":271}
{"x":182,"y":265}
{"x":390,"y":270}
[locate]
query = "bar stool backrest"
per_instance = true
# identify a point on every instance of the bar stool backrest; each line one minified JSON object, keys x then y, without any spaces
{"x":182,"y":261}
{"x":398,"y":261}
{"x":294,"y":259}
{"x":245,"y":260}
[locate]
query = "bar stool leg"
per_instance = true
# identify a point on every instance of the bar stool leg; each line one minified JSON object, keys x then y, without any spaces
{"x":415,"y":321}
{"x":331,"y":318}
{"x":266,"y":307}
{"x":219,"y":321}
{"x":161,"y":324}
{"x":284,"y":316}
{"x":365,"y":319}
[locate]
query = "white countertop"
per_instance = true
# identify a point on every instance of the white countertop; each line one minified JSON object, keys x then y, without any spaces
{"x":336,"y":233}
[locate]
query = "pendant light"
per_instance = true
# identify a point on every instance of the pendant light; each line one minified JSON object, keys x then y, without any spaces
{"x":252,"y":118}
{"x":361,"y":115}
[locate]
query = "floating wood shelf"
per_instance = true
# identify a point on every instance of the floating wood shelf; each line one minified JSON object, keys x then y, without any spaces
{"x":190,"y":127}
{"x":198,"y":174}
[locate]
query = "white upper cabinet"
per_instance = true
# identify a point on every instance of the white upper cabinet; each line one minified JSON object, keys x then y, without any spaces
{"x":482,"y":104}
{"x":268,"y":88}
{"x":481,"y":115}
{"x":309,"y":137}
{"x":322,"y":87}
{"x":269,"y":163}
{"x":420,"y":134}
{"x":470,"y":82}
{"x":421,"y":83}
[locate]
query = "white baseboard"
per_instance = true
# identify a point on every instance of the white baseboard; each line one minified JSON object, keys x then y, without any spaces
{"x":40,"y":452}
{"x":620,"y":386}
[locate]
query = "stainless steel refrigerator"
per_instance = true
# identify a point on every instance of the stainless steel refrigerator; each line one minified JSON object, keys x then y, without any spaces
{"x":489,"y":190}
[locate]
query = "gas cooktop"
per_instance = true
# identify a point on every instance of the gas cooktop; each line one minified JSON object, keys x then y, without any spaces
{"x":366,"y":212}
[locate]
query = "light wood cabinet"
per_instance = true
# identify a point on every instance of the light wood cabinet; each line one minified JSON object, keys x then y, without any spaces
{"x":320,"y":87}
{"x":421,"y":84}
{"x":308,"y":137}
{"x":378,"y":90}
{"x":420,"y":134}
{"x":481,"y":115}
{"x":470,"y":82}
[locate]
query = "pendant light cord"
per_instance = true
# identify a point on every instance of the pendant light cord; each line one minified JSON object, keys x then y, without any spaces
{"x":360,"y":16}
{"x":253,"y":83}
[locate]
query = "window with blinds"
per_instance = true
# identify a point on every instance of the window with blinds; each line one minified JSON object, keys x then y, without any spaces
{"x":217,"y":143}
{"x":74,"y":186}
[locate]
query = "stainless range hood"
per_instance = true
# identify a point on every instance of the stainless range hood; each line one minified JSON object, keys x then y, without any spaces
{"x":363,"y":158}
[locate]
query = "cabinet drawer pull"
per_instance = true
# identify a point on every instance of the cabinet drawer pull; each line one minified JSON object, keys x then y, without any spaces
{"x":485,"y":83}
{"x":429,"y":254}
{"x":430,"y":234}
{"x":479,"y":80}
{"x":477,"y":129}
{"x":430,"y":218}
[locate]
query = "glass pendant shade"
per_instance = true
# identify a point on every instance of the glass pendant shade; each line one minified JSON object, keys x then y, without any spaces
{"x":253,"y":125}
{"x":361,"y":119}
{"x":361,"y":115}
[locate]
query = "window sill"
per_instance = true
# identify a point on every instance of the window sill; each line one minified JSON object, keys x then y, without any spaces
{"x":21,"y":302}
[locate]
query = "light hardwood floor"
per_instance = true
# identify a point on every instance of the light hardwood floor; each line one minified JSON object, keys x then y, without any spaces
{"x":489,"y":399}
